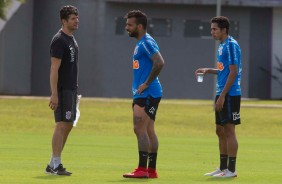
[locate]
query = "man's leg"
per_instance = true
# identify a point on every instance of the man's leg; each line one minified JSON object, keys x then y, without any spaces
{"x":140,"y":123}
{"x":232,"y":145}
{"x":153,"y":150}
{"x":60,"y":135}
{"x":66,"y":130}
{"x":222,"y":142}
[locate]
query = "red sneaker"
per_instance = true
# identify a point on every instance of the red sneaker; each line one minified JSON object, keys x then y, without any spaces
{"x":152,"y":173}
{"x":137,"y":173}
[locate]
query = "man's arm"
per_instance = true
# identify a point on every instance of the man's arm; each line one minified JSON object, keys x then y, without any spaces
{"x":55,"y":65}
{"x":158,"y":63}
{"x":230,"y":81}
{"x":206,"y":70}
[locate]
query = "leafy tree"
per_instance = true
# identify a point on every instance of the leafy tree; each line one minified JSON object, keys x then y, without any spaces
{"x":3,"y":5}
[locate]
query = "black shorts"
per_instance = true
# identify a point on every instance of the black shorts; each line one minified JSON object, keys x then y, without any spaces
{"x":230,"y":112}
{"x":151,"y":105}
{"x":66,"y":110}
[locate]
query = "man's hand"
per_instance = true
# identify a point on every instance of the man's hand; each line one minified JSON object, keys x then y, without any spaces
{"x":219,"y":103}
{"x":141,"y":88}
{"x":53,"y":104}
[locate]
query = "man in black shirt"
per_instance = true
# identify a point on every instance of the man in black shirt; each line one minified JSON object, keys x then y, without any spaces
{"x":64,"y":83}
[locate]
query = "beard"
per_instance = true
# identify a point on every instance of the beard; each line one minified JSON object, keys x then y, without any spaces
{"x":133,"y":33}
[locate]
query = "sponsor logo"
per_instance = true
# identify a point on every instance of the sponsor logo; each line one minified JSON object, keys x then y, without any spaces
{"x":68,"y":115}
{"x":136,"y":50}
{"x":152,"y":110}
{"x":135,"y":64}
{"x":220,"y":50}
{"x":134,"y":91}
{"x":236,"y":116}
{"x":220,"y":66}
{"x":72,"y":52}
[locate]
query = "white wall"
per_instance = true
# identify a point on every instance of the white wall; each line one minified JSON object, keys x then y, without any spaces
{"x":276,"y":88}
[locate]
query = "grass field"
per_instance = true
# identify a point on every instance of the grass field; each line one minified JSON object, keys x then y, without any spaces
{"x":103,"y":146}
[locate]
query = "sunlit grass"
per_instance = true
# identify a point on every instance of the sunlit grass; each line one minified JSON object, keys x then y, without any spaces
{"x":103,"y":146}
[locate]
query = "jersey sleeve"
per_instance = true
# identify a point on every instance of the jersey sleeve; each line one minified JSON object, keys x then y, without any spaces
{"x":150,"y":47}
{"x":57,"y":48}
{"x":233,"y":53}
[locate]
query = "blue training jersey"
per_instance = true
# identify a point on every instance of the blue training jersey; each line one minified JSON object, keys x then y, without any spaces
{"x":229,"y":53}
{"x":142,"y":66}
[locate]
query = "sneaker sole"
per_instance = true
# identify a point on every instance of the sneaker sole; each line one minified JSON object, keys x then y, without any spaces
{"x":141,"y":177}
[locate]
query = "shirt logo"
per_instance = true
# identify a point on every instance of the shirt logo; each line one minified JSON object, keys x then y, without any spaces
{"x":135,"y":64}
{"x":68,"y":115}
{"x":136,"y":50}
{"x":236,"y":116}
{"x":220,"y":50}
{"x":152,"y":110}
{"x":220,"y":66}
{"x":72,"y":52}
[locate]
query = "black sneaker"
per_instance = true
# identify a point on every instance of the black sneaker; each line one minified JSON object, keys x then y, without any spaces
{"x":49,"y":170}
{"x":60,"y":170}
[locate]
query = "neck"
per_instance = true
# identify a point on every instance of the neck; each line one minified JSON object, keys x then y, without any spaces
{"x":140,"y":35}
{"x":223,"y":38}
{"x":67,"y":31}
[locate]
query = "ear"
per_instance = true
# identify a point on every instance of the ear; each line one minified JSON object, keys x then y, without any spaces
{"x":140,"y":26}
{"x":224,"y":30}
{"x":63,"y":21}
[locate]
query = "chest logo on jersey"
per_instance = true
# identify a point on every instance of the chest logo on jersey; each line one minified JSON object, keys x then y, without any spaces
{"x":220,"y":50}
{"x":135,"y":64}
{"x":136,"y":50}
{"x":220,"y":66}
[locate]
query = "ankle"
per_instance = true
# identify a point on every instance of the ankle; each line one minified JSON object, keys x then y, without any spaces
{"x":142,"y":169}
{"x":151,"y":170}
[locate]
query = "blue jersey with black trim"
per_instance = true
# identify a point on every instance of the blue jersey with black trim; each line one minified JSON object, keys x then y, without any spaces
{"x":229,"y":53}
{"x":142,"y":66}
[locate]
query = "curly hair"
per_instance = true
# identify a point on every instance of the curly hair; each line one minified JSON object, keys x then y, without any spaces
{"x":222,"y":22}
{"x":68,"y":10}
{"x":140,"y":17}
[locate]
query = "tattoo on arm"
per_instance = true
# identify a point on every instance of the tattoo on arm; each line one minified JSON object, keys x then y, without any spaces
{"x":158,"y":63}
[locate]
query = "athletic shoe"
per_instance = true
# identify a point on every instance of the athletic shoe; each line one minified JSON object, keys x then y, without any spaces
{"x":137,"y":173}
{"x":49,"y":170}
{"x":217,"y":171}
{"x":152,"y":173}
{"x":60,"y":170}
{"x":226,"y":174}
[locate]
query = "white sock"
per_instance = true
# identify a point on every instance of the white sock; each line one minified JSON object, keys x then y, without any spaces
{"x":51,"y":164}
{"x":56,"y":161}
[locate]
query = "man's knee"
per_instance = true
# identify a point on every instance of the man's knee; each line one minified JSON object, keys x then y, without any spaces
{"x":220,"y":131}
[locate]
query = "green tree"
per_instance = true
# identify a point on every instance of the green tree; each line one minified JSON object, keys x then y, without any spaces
{"x":3,"y":5}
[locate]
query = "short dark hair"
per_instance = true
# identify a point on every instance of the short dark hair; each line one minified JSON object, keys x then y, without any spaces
{"x":222,"y":22}
{"x":141,"y":17}
{"x":68,"y":10}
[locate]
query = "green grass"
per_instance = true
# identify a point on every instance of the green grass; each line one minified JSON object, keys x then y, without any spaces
{"x":103,"y":146}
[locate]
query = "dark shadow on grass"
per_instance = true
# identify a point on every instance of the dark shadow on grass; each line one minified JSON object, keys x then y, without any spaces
{"x":214,"y":179}
{"x":131,"y":180}
{"x":49,"y":177}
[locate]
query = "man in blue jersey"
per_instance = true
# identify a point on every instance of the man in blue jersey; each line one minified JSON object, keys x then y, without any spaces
{"x":147,"y":92}
{"x":228,"y":95}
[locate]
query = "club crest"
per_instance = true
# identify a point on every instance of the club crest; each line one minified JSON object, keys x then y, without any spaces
{"x":68,"y":115}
